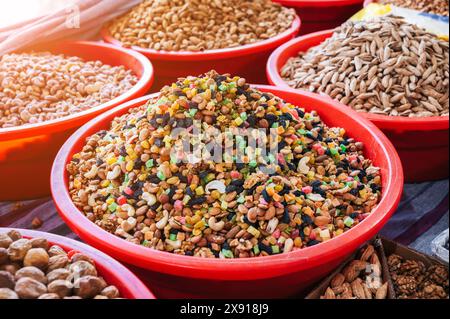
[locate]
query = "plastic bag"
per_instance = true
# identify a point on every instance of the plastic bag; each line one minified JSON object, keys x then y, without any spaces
{"x":438,"y":246}
{"x":435,"y":24}
{"x":80,"y":19}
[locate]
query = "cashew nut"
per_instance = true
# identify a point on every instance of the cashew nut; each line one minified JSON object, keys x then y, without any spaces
{"x":115,"y":173}
{"x":288,"y":245}
{"x":92,"y":173}
{"x":163,"y":222}
{"x":303,"y":168}
{"x":129,"y":209}
{"x":214,"y":225}
{"x":149,"y":198}
{"x":272,"y":225}
{"x":174,"y":244}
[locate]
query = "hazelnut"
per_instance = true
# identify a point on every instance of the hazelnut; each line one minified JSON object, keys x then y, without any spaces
{"x":83,"y":268}
{"x":88,"y":287}
{"x":31,"y":272}
{"x":39,"y":243}
{"x":5,"y":241}
{"x":55,"y":251}
{"x":27,"y":288}
{"x":36,"y":257}
{"x":18,"y":249}
{"x":58,"y":261}
{"x":14,"y":235}
{"x":6,"y":293}
{"x":11,"y":268}
{"x":111,"y":292}
{"x":62,"y":288}
{"x":81,"y":257}
{"x":6,"y":280}
{"x":3,"y":256}
{"x":58,"y":274}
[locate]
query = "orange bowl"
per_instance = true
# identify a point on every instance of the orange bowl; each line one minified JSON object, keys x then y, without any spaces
{"x":27,"y":152}
{"x":113,"y":272}
{"x":278,"y":276}
{"x":422,"y":143}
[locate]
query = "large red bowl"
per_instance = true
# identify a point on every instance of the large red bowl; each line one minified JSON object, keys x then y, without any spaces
{"x":113,"y":272}
{"x":248,"y":61}
{"x":267,"y":277}
{"x":320,"y":15}
{"x":27,"y":152}
{"x":422,"y":143}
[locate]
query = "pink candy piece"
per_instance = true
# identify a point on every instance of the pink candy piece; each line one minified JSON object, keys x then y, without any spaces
{"x":312,"y":236}
{"x":349,"y":179}
{"x":235,"y":175}
{"x":262,"y":201}
{"x":128,"y":191}
{"x":319,"y":149}
{"x":278,"y":205}
{"x":281,"y":159}
{"x":307,"y":190}
{"x":178,"y":205}
{"x":295,"y":234}
{"x":277,"y":234}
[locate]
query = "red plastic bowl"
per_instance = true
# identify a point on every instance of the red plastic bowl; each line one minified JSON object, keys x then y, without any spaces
{"x":248,"y":61}
{"x":320,"y":15}
{"x":422,"y":143}
{"x":27,"y":152}
{"x":113,"y":272}
{"x":174,"y":276}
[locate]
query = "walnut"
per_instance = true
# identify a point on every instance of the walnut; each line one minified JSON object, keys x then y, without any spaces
{"x":433,"y":291}
{"x":412,"y":268}
{"x":406,"y":285}
{"x":394,"y":262}
{"x":439,"y":275}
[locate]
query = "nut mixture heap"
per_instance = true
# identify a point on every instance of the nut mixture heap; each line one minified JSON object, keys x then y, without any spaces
{"x":385,"y":66}
{"x":199,"y":25}
{"x":32,"y":269}
{"x":413,"y":280}
{"x":38,"y":87}
{"x":430,"y":6}
{"x":353,"y":281}
{"x":128,"y":182}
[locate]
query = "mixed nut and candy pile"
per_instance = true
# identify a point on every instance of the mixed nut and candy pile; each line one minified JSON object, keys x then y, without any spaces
{"x":34,"y":269}
{"x":315,"y":186}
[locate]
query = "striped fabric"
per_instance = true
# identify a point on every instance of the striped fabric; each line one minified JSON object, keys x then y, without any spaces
{"x":422,"y":207}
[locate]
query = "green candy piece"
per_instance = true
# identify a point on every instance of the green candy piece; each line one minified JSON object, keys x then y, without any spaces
{"x":173,"y":237}
{"x":227,"y":253}
{"x":161,"y":176}
{"x":113,"y":207}
{"x":275,"y":249}
{"x":150,"y":163}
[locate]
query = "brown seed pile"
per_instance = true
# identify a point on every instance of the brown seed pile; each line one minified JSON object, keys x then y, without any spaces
{"x":39,"y":87}
{"x":32,"y":269}
{"x":413,"y":280}
{"x":199,"y":25}
{"x":430,"y":6}
{"x":385,"y":66}
{"x":360,"y":279}
{"x":313,"y":186}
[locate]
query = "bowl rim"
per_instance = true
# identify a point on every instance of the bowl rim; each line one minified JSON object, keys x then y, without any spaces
{"x":382,"y":121}
{"x":209,"y":54}
{"x":211,"y":267}
{"x":121,"y":273}
{"x":145,"y":80}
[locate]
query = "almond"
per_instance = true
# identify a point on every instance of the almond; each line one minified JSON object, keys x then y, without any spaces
{"x":368,"y":252}
{"x":337,"y":280}
{"x":382,"y":292}
{"x":329,"y":294}
{"x":358,"y":290}
{"x":367,"y":291}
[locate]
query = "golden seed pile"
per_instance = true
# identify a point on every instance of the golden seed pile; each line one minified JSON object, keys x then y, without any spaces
{"x":38,"y":87}
{"x":385,"y":66}
{"x":199,"y":25}
{"x":430,"y":6}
